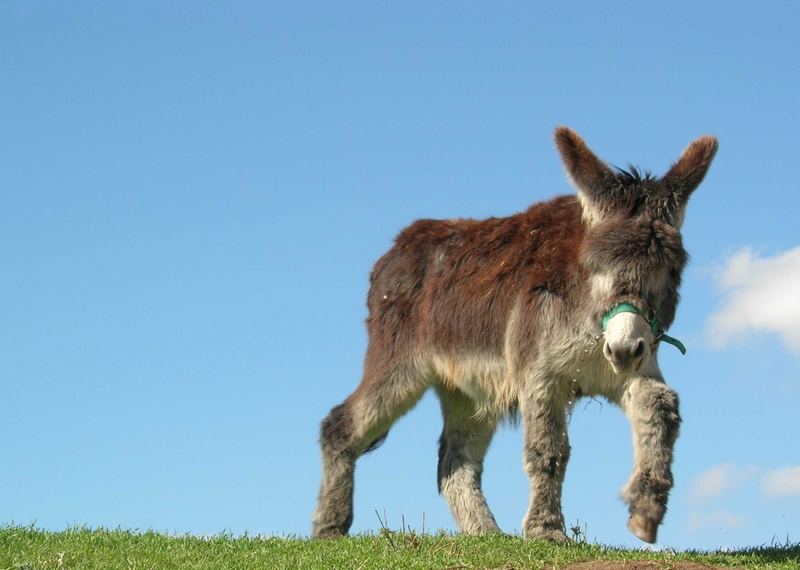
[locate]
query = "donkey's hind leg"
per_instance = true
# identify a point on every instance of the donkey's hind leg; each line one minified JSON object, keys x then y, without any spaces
{"x":462,"y":448}
{"x":351,"y":428}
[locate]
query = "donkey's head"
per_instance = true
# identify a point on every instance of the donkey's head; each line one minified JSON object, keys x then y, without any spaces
{"x":633,"y":249}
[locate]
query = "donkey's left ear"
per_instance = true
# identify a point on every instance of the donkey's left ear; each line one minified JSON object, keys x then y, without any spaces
{"x":584,"y":169}
{"x":687,"y":174}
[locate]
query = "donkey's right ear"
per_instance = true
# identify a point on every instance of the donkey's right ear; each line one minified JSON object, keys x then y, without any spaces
{"x":584,"y":169}
{"x":687,"y":174}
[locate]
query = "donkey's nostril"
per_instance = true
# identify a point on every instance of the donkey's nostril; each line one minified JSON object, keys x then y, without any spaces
{"x":607,"y":352}
{"x":625,"y":354}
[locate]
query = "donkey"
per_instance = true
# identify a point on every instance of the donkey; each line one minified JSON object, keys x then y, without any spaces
{"x":518,"y":317}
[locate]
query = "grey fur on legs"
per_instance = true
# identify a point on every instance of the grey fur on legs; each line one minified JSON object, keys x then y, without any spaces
{"x":653,"y":411}
{"x":334,"y":513}
{"x":545,"y":459}
{"x":462,"y":448}
{"x":347,"y":432}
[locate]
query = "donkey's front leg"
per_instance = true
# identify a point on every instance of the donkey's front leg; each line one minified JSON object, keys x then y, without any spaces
{"x":545,"y":459}
{"x":653,"y":410}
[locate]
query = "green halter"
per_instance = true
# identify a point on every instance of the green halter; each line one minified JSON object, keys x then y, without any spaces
{"x":658,"y":334}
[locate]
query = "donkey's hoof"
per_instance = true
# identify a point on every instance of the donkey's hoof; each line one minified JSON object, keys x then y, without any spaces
{"x":643,"y":528}
{"x":551,"y":534}
{"x":328,"y":532}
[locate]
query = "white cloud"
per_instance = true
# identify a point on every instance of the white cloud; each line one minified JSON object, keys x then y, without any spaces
{"x":718,"y":519}
{"x":782,"y":482}
{"x":720,"y":479}
{"x":760,"y":294}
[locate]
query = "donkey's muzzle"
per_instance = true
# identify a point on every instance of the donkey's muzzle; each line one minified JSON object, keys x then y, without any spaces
{"x":625,"y":355}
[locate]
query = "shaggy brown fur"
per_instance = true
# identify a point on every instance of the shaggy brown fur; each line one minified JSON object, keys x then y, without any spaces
{"x":499,"y":316}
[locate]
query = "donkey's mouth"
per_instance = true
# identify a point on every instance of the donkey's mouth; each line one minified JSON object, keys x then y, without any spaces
{"x":624,"y":368}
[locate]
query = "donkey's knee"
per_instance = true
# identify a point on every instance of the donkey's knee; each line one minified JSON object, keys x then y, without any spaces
{"x":654,"y":411}
{"x":453,"y":461}
{"x":547,"y":459}
{"x":665,"y":409}
{"x":336,"y":430}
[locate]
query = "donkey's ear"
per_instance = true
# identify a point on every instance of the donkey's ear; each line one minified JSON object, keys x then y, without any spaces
{"x":687,"y":174}
{"x":584,"y":169}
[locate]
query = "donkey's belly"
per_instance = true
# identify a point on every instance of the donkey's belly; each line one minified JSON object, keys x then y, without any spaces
{"x":483,"y":378}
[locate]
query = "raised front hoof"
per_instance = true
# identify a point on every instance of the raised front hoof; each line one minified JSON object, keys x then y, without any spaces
{"x":551,"y":534}
{"x":644,"y":529}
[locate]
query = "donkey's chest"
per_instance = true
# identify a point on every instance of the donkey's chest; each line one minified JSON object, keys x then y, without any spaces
{"x":588,"y":373}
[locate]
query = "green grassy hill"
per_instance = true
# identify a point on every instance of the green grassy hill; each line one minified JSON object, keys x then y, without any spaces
{"x":25,"y":548}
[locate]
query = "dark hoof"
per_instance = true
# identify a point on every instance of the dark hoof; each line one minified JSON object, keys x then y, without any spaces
{"x":643,"y":528}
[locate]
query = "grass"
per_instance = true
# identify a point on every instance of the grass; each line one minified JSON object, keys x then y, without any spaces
{"x":27,"y":548}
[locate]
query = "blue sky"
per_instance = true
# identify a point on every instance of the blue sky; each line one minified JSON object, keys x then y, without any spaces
{"x":193,"y":196}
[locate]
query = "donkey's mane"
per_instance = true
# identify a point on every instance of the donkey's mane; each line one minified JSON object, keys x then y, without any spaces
{"x":632,"y":176}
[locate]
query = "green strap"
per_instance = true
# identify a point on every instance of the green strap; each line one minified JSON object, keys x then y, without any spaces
{"x":673,"y":341}
{"x":658,"y":334}
{"x":616,"y":310}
